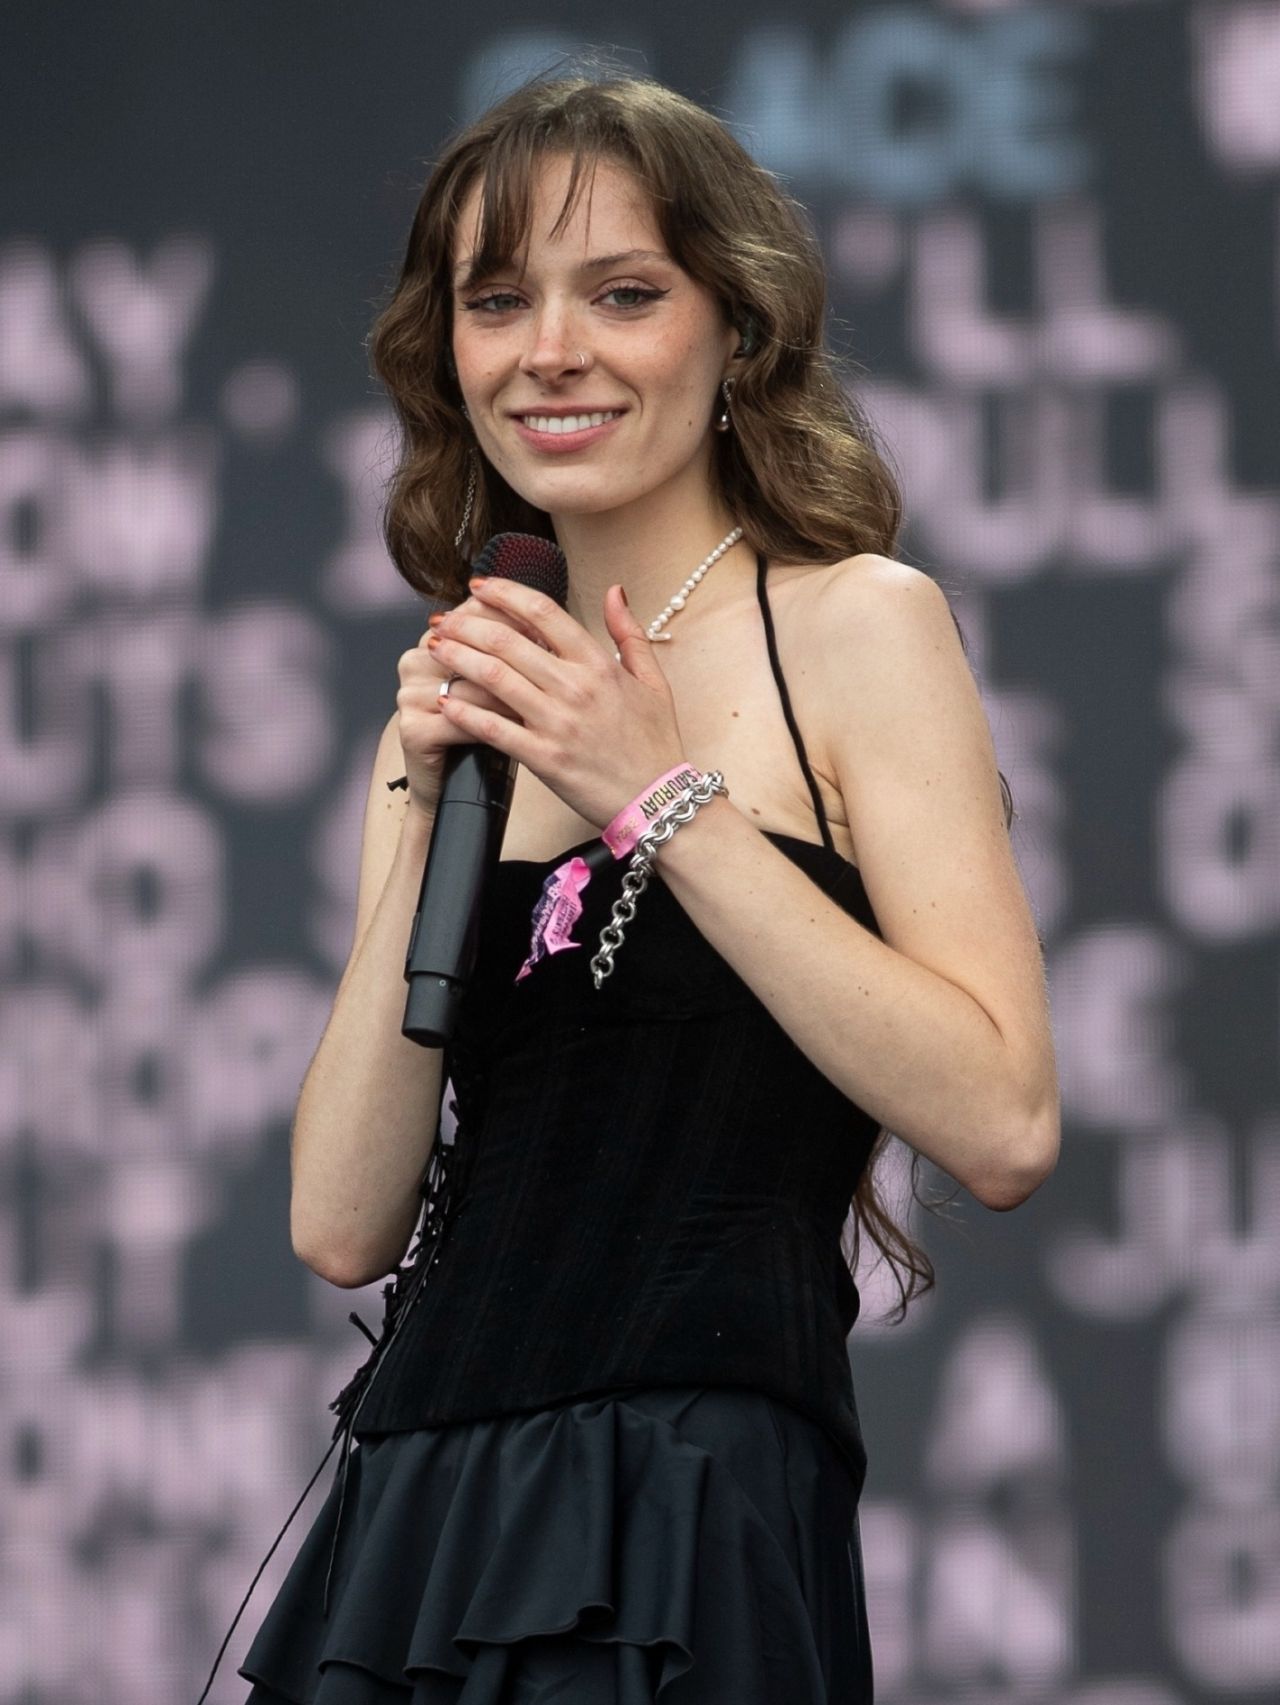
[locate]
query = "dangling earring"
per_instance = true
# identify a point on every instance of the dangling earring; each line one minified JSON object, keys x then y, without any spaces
{"x":471,"y":497}
{"x":723,"y":424}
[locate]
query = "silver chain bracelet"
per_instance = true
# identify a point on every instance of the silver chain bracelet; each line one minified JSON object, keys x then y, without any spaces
{"x":636,"y":879}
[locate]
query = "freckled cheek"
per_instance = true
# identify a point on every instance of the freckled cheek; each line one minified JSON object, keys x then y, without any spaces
{"x":679,"y":381}
{"x":480,"y":384}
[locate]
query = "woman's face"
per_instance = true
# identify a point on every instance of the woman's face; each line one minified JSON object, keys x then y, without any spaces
{"x":655,"y":341}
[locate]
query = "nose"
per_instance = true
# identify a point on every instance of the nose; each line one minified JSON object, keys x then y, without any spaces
{"x":553,"y":345}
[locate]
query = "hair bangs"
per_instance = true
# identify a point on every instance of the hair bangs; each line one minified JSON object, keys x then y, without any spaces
{"x":506,"y":195}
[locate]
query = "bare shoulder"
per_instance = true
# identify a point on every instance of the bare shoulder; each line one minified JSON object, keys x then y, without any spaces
{"x":875,"y":627}
{"x":893,"y":682}
{"x":876,"y":589}
{"x":866,"y":626}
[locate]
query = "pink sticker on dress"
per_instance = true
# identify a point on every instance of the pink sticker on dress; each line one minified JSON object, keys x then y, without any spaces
{"x":558,"y":908}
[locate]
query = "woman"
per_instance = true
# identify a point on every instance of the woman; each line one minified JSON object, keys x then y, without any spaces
{"x":608,"y":1448}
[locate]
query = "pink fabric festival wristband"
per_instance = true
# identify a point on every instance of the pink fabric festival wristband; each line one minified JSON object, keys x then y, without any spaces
{"x":621,"y":835}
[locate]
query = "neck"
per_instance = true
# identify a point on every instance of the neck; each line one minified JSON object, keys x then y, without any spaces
{"x":651,"y":554}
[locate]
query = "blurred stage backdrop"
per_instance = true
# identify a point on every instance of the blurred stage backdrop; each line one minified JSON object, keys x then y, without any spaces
{"x":1054,"y":234}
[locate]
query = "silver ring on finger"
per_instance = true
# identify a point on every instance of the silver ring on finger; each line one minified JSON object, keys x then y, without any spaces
{"x":442,"y":691}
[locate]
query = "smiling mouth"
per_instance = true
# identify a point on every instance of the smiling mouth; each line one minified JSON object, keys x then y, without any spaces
{"x":557,"y":424}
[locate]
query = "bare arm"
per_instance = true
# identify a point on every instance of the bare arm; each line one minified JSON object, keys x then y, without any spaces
{"x":369,"y":1107}
{"x":940,"y":1030}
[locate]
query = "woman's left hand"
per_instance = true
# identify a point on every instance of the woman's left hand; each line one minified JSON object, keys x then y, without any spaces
{"x":594,"y":730}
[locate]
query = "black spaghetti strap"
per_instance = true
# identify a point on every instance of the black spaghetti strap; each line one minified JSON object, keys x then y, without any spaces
{"x":762,"y":568}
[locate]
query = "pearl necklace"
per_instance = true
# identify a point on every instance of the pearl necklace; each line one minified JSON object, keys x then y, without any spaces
{"x":654,"y":630}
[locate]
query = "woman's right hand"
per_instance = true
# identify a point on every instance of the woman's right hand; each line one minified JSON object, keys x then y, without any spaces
{"x":426,"y":735}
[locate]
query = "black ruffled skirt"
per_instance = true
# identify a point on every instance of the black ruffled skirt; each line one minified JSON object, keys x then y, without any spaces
{"x":693,"y":1547}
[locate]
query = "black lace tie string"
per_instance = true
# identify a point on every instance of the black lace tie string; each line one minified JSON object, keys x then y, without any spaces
{"x":398,"y":1298}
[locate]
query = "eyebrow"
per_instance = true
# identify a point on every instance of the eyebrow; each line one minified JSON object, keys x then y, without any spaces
{"x":596,"y":264}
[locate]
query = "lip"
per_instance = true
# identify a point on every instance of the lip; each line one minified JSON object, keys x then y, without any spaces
{"x":559,"y":442}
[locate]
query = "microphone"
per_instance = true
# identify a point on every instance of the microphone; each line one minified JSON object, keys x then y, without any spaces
{"x":470,"y":821}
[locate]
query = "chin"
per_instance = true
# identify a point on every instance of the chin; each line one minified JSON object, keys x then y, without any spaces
{"x":594,"y":502}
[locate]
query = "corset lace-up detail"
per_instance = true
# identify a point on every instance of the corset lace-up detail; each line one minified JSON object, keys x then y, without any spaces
{"x":441,"y":1191}
{"x":441,"y":1188}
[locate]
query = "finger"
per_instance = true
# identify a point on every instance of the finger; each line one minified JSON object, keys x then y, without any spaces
{"x":421,"y":679}
{"x":474,"y":607}
{"x":566,"y":638}
{"x":489,"y":727}
{"x":460,"y":687}
{"x":635,"y":648}
{"x":529,"y":657}
{"x":513,"y":690}
{"x":419,"y":663}
{"x":474,"y":611}
{"x":446,"y":731}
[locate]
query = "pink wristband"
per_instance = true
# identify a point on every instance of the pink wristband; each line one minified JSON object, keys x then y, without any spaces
{"x":621,"y":835}
{"x":559,"y":905}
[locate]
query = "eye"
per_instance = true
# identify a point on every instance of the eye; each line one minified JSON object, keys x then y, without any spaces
{"x":495,"y":296}
{"x":638,"y":291}
{"x":634,"y":290}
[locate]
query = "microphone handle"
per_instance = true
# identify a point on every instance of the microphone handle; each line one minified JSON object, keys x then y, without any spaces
{"x":466,"y":839}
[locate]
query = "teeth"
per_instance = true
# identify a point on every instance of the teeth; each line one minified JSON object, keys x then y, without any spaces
{"x":567,"y":422}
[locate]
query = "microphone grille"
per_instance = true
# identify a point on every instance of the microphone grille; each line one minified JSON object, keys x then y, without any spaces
{"x":534,"y":562}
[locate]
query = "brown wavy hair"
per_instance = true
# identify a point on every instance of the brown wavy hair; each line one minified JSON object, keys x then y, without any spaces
{"x":800,"y":470}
